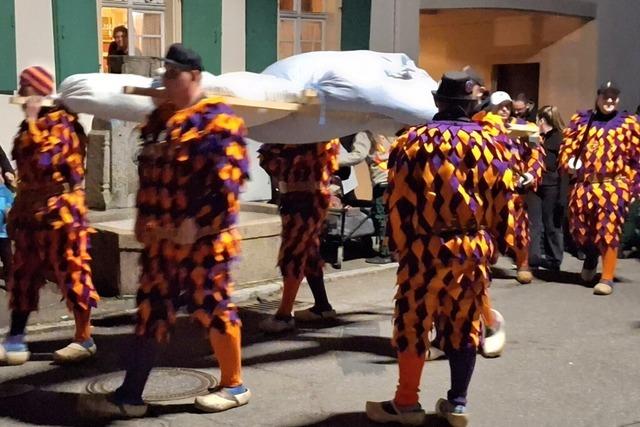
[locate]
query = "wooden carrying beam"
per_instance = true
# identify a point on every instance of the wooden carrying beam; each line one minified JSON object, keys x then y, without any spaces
{"x":518,"y":131}
{"x":144,"y":91}
{"x":21,"y":100}
{"x":252,"y":111}
{"x":307,"y":97}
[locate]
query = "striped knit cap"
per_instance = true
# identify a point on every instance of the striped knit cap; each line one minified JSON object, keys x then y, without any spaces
{"x":38,"y":78}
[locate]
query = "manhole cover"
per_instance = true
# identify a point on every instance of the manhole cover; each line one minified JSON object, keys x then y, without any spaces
{"x":165,"y":384}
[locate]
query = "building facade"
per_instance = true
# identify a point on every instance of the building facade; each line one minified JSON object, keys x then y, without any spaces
{"x":73,"y":36}
{"x":565,"y":46}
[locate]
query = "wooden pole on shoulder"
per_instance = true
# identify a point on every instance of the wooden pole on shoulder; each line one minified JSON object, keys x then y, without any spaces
{"x":21,"y":100}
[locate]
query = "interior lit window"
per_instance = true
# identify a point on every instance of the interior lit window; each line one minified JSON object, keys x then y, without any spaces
{"x":304,"y":25}
{"x":112,"y":17}
{"x":148,"y":33}
{"x":143,"y":21}
{"x":287,"y":5}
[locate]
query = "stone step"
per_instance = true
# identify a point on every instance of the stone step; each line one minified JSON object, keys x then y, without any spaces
{"x":115,"y":250}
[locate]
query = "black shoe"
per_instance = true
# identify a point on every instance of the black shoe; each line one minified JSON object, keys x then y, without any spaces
{"x":379,"y":260}
{"x":550,"y":265}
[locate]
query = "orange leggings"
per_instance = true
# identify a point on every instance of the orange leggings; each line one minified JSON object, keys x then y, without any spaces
{"x":226,"y":348}
{"x":83,"y":325}
{"x":609,"y":262}
{"x":410,"y":365}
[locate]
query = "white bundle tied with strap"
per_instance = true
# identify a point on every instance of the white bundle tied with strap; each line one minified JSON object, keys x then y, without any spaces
{"x":253,"y":86}
{"x":356,"y":90}
{"x":363,"y":81}
{"x":101,"y":95}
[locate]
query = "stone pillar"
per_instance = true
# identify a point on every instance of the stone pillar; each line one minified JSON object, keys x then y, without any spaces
{"x":98,"y":177}
{"x":112,"y":178}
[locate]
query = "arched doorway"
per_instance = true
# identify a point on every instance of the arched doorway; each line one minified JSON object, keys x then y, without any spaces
{"x":499,"y":42}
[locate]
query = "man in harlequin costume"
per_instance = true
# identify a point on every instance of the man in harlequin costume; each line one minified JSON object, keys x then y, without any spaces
{"x":48,"y":221}
{"x":302,"y":173}
{"x":601,"y":150}
{"x":528,"y":166}
{"x":191,"y":168}
{"x":450,"y":185}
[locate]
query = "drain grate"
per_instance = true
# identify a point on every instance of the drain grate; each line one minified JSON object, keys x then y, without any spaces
{"x":165,"y":384}
{"x":268,"y":306}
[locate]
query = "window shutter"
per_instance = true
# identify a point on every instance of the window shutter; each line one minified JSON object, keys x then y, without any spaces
{"x":202,"y":31}
{"x":356,"y":24}
{"x":75,"y":29}
{"x":262,"y":34}
{"x":7,"y":47}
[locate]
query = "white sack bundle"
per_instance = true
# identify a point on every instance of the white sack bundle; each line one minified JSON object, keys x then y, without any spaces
{"x":101,"y":95}
{"x":357,"y":90}
{"x":363,"y":81}
{"x":253,"y":86}
{"x":304,"y":128}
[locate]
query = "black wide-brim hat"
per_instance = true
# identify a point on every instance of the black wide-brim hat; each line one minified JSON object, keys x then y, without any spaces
{"x":183,"y":57}
{"x":455,"y":86}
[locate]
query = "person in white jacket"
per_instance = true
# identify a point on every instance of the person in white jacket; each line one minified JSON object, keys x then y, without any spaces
{"x":374,"y":149}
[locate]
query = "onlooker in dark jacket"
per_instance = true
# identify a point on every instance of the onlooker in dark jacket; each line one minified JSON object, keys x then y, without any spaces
{"x":547,"y":204}
{"x":8,"y":174}
{"x":118,"y":48}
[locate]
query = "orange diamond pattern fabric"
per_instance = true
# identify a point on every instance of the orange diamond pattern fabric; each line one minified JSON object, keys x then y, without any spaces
{"x":48,"y":221}
{"x":191,"y":176}
{"x":303,"y":173}
{"x":609,"y":178}
{"x":449,"y":204}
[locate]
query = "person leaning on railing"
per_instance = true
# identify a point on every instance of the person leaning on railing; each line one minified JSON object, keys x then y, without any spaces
{"x":118,"y":48}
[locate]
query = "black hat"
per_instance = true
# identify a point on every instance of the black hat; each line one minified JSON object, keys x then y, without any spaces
{"x":609,"y":88}
{"x":455,"y":86}
{"x":184,"y":58}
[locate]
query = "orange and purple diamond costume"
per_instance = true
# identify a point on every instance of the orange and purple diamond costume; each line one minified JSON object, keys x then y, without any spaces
{"x":609,"y":150}
{"x":49,"y":219}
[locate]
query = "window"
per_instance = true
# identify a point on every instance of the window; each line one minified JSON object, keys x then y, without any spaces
{"x":303,"y":26}
{"x":148,"y":33}
{"x":144,"y":21}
